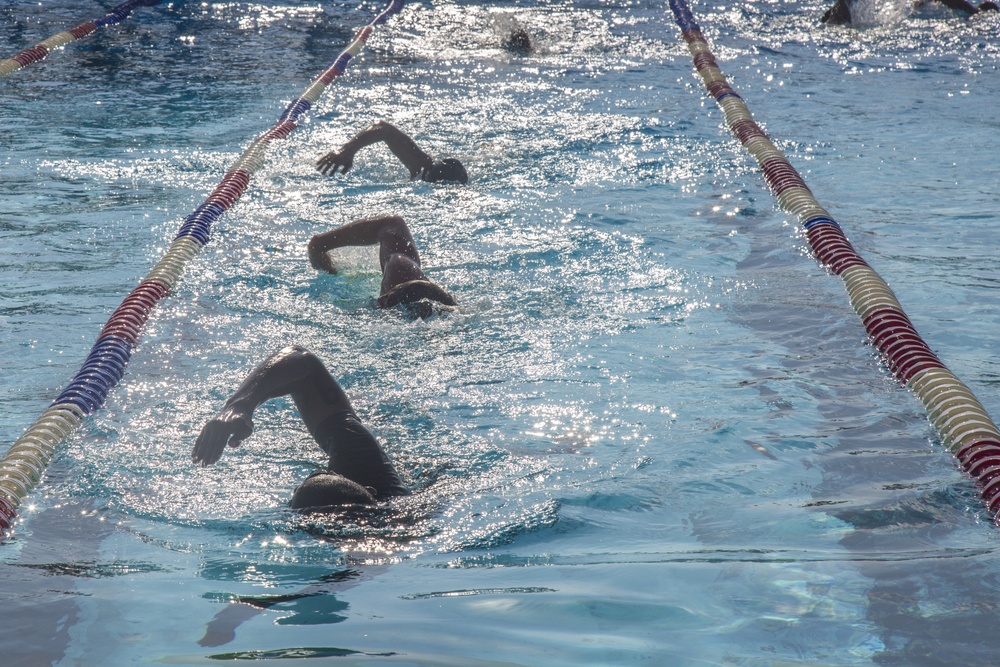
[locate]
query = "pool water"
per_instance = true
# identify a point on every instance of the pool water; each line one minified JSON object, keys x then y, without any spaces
{"x":652,"y":434}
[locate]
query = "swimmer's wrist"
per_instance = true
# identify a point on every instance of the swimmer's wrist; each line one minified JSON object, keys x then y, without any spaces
{"x":238,"y":408}
{"x":351,"y":148}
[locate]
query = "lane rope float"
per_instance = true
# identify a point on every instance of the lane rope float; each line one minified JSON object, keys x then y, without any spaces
{"x":42,"y":49}
{"x":960,"y":420}
{"x":24,"y":463}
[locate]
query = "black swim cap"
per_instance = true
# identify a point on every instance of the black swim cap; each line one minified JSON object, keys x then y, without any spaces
{"x":517,"y":41}
{"x":415,"y":290}
{"x":325,"y":491}
{"x":448,"y":169}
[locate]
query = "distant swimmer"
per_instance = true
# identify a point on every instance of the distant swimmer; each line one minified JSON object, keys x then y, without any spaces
{"x":840,"y":12}
{"x":420,"y":164}
{"x":358,"y":472}
{"x":403,"y":281}
{"x":967,"y":7}
{"x":517,"y":41}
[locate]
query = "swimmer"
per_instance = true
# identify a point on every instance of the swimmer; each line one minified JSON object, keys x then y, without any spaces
{"x":517,"y":41}
{"x":968,"y":7}
{"x":403,"y":281}
{"x":420,"y":164}
{"x":358,"y":472}
{"x":840,"y":12}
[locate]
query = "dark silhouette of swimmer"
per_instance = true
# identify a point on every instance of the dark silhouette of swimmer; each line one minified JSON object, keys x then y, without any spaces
{"x":403,"y":281}
{"x":517,"y":41}
{"x":840,"y":12}
{"x":358,"y":472}
{"x":420,"y":164}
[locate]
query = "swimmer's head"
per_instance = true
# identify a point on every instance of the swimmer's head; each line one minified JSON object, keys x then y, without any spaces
{"x":517,"y":41}
{"x":325,"y":492}
{"x":988,"y":6}
{"x":448,"y":169}
{"x":414,"y":291}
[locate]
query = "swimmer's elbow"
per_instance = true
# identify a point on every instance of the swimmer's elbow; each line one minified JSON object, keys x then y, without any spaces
{"x":294,"y":352}
{"x":381,"y":127}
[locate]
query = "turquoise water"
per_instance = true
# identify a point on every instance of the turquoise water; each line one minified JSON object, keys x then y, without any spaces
{"x":652,"y":434}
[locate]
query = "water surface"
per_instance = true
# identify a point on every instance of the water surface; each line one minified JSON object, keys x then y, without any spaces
{"x":653,"y":432}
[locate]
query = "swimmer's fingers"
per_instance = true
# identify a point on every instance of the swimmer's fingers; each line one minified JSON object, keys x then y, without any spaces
{"x":228,"y":428}
{"x":323,"y":164}
{"x":210,"y":444}
{"x":323,"y":262}
{"x":334,"y":160}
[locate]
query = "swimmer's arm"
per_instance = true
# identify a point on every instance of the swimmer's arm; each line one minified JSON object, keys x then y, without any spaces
{"x":401,"y":145}
{"x":293,"y":371}
{"x":404,"y":148}
{"x":388,"y":230}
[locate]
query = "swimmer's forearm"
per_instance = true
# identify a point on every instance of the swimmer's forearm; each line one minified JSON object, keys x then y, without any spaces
{"x":367,"y":231}
{"x":366,"y":137}
{"x":320,"y":244}
{"x":401,"y":145}
{"x":406,"y":149}
{"x":293,"y":371}
{"x":278,"y":375}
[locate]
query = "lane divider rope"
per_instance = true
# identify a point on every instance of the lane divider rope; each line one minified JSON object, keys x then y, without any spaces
{"x":960,"y":420}
{"x":24,"y":463}
{"x":45,"y":47}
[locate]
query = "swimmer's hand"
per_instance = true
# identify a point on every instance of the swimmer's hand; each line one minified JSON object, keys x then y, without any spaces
{"x":342,"y":159}
{"x":231,"y":426}
{"x":321,"y":261}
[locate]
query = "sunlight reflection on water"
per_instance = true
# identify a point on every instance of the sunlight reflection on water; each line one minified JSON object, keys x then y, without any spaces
{"x":651,"y":408}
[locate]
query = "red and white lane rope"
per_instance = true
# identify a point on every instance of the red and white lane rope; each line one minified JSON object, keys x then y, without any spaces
{"x":959,"y":418}
{"x":45,"y":47}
